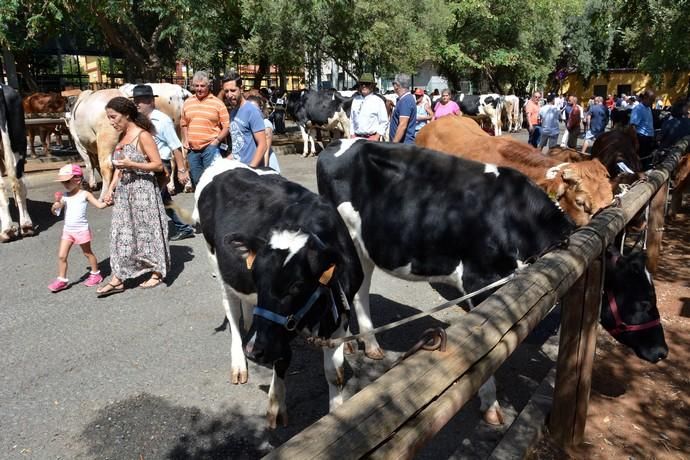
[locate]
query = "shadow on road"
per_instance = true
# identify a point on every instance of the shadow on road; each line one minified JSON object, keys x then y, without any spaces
{"x":180,"y":254}
{"x":40,"y":214}
{"x":150,"y":427}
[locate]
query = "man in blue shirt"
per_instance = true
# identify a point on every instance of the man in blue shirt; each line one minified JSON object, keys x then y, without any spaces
{"x":678,"y":126}
{"x":597,"y":119}
{"x":168,"y":145}
{"x":404,"y":117}
{"x":247,"y":130}
{"x":641,"y":119}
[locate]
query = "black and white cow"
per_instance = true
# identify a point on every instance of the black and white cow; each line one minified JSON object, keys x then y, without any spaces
{"x":12,"y":160}
{"x":425,"y":216}
{"x":325,"y":109}
{"x":490,"y":105}
{"x":279,"y":246}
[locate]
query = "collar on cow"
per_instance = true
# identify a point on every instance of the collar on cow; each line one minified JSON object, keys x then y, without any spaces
{"x":291,"y":322}
{"x":619,"y":326}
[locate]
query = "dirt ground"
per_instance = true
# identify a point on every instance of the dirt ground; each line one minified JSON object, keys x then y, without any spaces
{"x":639,"y":410}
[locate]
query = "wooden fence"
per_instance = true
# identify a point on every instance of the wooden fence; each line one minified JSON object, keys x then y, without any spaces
{"x":398,"y":413}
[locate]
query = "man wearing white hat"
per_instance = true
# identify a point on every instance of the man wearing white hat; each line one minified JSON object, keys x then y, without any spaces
{"x":368,"y":115}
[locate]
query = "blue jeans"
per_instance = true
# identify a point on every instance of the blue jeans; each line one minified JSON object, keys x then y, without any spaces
{"x":199,"y":160}
{"x":167,"y":199}
{"x":535,"y":136}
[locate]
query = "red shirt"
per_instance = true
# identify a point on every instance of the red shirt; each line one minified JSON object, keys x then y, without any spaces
{"x":610,"y":103}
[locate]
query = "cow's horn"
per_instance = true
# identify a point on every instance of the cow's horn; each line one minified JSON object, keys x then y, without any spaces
{"x":250,"y":259}
{"x":327,"y":275}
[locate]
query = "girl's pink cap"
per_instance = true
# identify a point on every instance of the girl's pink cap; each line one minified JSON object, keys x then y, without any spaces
{"x":68,"y":171}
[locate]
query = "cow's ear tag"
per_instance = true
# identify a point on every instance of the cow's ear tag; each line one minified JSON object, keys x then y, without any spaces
{"x":250,"y":259}
{"x":327,"y":275}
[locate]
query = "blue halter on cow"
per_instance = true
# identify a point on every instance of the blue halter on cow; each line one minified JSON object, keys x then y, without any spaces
{"x":12,"y":160}
{"x":279,"y":246}
{"x":425,"y":216}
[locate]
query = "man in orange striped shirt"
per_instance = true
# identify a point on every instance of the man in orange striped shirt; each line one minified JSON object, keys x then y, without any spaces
{"x":205,"y":123}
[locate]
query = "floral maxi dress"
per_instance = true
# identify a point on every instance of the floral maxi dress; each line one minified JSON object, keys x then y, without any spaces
{"x":139,"y":228}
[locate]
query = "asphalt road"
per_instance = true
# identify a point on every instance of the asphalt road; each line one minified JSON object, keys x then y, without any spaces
{"x":142,"y":375}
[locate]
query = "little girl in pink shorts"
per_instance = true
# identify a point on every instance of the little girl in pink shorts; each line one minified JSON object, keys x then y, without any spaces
{"x":76,"y":229}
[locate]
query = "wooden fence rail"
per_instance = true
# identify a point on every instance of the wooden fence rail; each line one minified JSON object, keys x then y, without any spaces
{"x":395,"y":415}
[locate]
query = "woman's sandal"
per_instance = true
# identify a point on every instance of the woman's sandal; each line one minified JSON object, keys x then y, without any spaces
{"x":155,"y":278}
{"x":110,"y":289}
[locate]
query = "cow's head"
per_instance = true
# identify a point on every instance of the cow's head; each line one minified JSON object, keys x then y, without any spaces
{"x":629,"y":311}
{"x":581,"y":189}
{"x":295,"y":275}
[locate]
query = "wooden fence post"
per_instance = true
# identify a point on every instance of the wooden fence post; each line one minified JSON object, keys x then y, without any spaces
{"x":655,"y":228}
{"x":579,"y":319}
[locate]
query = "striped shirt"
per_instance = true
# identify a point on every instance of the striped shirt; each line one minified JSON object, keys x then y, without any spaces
{"x":204,"y":120}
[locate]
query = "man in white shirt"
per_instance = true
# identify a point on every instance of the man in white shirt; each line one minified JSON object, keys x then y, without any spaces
{"x":168,"y":144}
{"x":368,"y":115}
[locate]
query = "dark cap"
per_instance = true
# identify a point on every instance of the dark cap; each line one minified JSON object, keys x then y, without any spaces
{"x":143,"y":91}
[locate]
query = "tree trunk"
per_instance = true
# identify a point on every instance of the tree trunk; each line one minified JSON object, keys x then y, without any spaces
{"x":10,"y":69}
{"x":23,"y":67}
{"x":264,"y":67}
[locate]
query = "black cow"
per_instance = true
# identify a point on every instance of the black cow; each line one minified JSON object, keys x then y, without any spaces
{"x":277,"y":245}
{"x":13,"y":150}
{"x":324,"y":109}
{"x":422,"y":215}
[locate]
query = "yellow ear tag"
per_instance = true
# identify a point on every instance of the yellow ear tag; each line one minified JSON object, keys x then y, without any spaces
{"x":327,"y":275}
{"x":250,"y":260}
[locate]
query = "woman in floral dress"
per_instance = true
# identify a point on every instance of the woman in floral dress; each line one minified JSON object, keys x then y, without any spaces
{"x":139,"y":228}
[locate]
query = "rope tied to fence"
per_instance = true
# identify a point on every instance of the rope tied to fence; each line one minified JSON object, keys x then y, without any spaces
{"x":333,"y":343}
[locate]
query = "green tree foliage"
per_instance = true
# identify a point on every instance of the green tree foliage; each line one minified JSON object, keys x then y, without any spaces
{"x":650,"y":35}
{"x":507,"y":42}
{"x":655,"y":33}
{"x":589,"y":38}
{"x":210,"y":33}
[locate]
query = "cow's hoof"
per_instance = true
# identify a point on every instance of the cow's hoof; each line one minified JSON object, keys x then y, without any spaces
{"x":274,"y":416}
{"x":188,"y":188}
{"x":494,"y":416}
{"x":8,"y":235}
{"x":28,"y":230}
{"x":374,"y":352}
{"x":350,"y":348}
{"x":305,"y":154}
{"x":239,"y":376}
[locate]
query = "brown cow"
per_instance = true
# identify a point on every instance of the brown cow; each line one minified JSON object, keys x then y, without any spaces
{"x":581,"y":188}
{"x":49,"y":103}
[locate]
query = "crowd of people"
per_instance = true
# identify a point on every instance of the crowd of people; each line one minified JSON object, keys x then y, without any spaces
{"x":544,"y":118}
{"x":237,"y":125}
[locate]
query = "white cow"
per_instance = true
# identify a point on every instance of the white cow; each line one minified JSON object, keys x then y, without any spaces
{"x":94,"y":137}
{"x":511,"y":107}
{"x":169,"y":101}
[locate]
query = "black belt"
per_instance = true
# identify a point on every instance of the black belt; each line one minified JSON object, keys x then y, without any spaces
{"x":364,"y":135}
